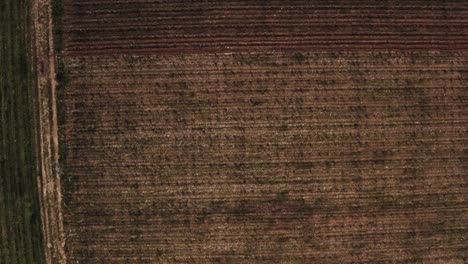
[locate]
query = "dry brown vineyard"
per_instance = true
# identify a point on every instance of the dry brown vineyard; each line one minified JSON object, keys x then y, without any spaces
{"x":261,"y":156}
{"x":264,"y":131}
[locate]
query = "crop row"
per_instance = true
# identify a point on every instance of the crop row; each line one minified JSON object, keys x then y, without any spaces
{"x":105,"y":27}
{"x":21,"y":238}
{"x":265,"y":157}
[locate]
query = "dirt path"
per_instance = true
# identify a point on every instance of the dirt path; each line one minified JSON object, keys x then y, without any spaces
{"x":47,"y":130}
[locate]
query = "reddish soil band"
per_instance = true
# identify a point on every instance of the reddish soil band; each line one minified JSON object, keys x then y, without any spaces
{"x":153,"y":27}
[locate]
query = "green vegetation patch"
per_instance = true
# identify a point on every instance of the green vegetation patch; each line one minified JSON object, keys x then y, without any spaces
{"x":21,"y":238}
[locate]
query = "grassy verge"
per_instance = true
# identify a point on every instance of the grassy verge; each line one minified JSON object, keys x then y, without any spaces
{"x":21,"y":238}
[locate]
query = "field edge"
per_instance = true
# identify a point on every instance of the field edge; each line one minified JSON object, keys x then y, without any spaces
{"x":49,"y":185}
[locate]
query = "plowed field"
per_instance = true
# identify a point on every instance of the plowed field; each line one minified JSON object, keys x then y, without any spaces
{"x":93,"y":27}
{"x":259,"y":157}
{"x":263,"y":131}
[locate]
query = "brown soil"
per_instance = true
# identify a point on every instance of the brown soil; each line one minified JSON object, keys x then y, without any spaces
{"x":175,"y":26}
{"x":256,"y":132}
{"x":321,"y":157}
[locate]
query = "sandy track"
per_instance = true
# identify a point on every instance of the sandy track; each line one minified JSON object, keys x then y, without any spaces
{"x":47,"y":134}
